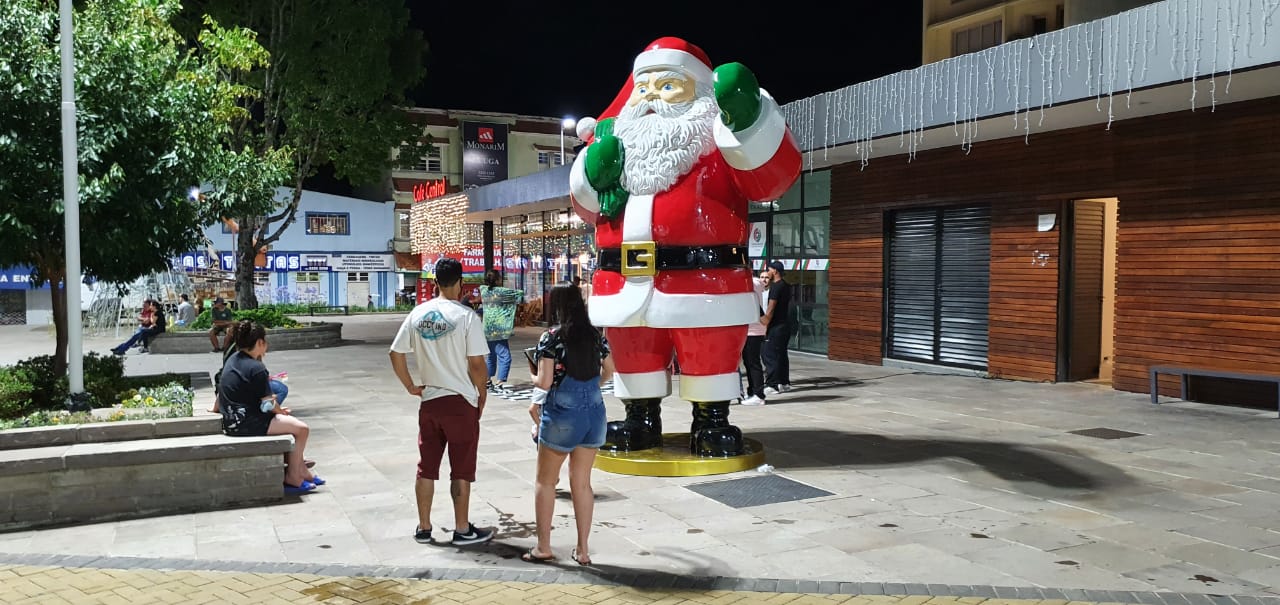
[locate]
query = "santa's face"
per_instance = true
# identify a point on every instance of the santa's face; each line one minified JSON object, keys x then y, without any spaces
{"x":665,"y":128}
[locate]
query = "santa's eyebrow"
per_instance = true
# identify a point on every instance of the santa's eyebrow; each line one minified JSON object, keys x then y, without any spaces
{"x":660,"y":75}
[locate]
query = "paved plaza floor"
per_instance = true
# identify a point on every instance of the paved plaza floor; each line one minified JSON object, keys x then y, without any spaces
{"x":929,"y":480}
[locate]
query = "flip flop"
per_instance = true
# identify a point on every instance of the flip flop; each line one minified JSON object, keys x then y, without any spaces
{"x":584,"y":561}
{"x":306,"y":488}
{"x":317,"y":480}
{"x":529,"y":557}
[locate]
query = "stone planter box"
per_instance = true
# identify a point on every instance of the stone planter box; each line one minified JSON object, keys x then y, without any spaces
{"x":113,"y":470}
{"x":310,"y":336}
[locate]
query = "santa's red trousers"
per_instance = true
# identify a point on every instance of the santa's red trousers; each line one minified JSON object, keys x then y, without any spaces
{"x":708,"y":360}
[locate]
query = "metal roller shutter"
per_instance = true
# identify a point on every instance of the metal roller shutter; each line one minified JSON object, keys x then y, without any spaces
{"x":938,"y":286}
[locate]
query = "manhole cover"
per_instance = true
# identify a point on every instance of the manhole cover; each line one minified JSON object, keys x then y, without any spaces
{"x":1105,"y":433}
{"x":757,"y":491}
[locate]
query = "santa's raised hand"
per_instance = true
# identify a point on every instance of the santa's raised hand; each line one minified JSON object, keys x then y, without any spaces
{"x":603,"y":166}
{"x":738,"y":95}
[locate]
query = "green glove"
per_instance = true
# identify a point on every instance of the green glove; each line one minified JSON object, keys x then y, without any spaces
{"x":603,"y":163}
{"x":604,"y":170}
{"x":738,"y":94}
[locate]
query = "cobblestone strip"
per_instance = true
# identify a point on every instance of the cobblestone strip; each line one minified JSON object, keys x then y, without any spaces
{"x":568,"y":581}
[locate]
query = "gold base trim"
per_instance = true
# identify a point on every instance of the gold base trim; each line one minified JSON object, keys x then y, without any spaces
{"x":674,"y":459}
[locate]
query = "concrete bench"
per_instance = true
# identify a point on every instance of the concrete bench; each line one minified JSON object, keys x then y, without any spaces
{"x":1185,"y":373}
{"x":311,"y":336}
{"x":97,"y":481}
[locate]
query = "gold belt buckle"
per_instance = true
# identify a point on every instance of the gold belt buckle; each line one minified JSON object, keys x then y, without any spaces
{"x":646,"y":259}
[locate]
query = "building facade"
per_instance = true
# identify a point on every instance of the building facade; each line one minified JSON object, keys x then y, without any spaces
{"x":340,"y":251}
{"x":1061,"y":208}
{"x":472,"y":150}
{"x":956,"y":27}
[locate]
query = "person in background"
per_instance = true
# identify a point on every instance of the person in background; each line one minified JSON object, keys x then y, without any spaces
{"x":776,"y":320}
{"x":573,"y":359}
{"x":150,"y":323}
{"x":186,"y":312}
{"x":221,"y":317}
{"x":499,"y":324}
{"x":755,"y":341}
{"x":249,"y":408}
{"x":447,"y":340}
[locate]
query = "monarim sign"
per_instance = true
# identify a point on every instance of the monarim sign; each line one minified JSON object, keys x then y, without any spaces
{"x":484,"y":154}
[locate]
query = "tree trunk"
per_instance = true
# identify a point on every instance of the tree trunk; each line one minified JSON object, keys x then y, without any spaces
{"x":246,"y":255}
{"x":58,"y":293}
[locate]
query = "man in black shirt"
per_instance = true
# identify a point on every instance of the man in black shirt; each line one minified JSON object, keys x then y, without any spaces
{"x":777,"y":333}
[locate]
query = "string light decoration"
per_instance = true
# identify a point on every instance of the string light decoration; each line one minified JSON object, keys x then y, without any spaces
{"x":439,"y":225}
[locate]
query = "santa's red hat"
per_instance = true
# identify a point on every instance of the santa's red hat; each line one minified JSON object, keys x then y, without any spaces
{"x":663,"y":54}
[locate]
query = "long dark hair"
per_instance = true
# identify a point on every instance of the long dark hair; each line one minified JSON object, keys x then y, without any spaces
{"x":248,"y":333}
{"x":580,"y":338}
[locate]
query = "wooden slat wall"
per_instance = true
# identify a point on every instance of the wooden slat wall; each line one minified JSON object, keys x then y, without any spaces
{"x":1199,"y":225}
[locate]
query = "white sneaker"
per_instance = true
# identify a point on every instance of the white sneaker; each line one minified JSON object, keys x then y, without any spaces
{"x":753,"y":400}
{"x":772,"y":391}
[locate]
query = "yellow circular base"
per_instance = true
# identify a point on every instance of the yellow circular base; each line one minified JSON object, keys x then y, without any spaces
{"x":674,"y":459}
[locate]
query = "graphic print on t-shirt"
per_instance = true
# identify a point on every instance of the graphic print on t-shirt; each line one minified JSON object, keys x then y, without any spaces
{"x":434,"y":326}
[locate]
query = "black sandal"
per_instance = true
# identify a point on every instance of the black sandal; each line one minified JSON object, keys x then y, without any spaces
{"x":529,"y":557}
{"x":584,"y":561}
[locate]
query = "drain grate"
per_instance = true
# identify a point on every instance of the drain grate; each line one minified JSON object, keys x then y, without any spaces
{"x":1105,"y":433}
{"x":757,"y":491}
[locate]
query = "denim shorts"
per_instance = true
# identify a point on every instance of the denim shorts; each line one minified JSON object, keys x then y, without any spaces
{"x":573,"y":416}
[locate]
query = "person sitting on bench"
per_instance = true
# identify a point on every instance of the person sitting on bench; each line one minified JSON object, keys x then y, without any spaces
{"x":221,"y":317}
{"x":150,"y":324}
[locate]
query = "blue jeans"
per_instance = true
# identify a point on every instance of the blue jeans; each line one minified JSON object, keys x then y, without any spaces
{"x":281,"y":391}
{"x":143,"y":335}
{"x":499,"y":359}
{"x":573,"y":416}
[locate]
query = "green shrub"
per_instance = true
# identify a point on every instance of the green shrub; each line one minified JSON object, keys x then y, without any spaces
{"x":16,"y":392}
{"x":103,"y":381}
{"x":269,"y":316}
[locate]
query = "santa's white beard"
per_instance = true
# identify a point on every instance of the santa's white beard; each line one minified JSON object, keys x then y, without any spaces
{"x":662,"y":146}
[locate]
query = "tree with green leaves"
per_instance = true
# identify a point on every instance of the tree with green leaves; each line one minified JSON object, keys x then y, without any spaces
{"x":331,"y":94}
{"x":153,"y":113}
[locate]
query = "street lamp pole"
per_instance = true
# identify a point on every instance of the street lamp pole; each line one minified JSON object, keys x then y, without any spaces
{"x":565,"y":123}
{"x":71,"y":203}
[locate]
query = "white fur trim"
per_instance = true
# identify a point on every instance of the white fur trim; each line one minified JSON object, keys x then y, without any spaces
{"x":586,"y":126}
{"x":637,"y":219}
{"x":670,"y":58}
{"x":624,"y":309}
{"x":701,"y":310}
{"x":580,"y":188}
{"x":720,"y":387}
{"x":642,"y":386}
{"x":753,"y":147}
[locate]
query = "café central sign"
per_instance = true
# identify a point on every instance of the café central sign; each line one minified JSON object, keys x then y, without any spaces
{"x":430,"y":189}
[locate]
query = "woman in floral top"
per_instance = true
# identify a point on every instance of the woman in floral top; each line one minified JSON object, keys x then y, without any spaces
{"x":499,"y":306}
{"x":573,"y":359}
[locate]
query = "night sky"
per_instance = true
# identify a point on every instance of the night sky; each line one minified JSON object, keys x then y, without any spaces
{"x":570,"y":58}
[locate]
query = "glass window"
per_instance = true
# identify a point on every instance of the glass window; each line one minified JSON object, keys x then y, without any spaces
{"x":328,"y":223}
{"x":512,"y":225}
{"x":817,"y":189}
{"x":309,"y":277}
{"x":817,"y":232}
{"x":432,"y":162}
{"x":791,"y":199}
{"x":533,"y":223}
{"x":786,"y":235}
{"x":402,"y":224}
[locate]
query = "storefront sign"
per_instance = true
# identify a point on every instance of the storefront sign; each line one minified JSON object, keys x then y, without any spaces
{"x":472,"y":259}
{"x":756,"y":239}
{"x":484,"y":154}
{"x":430,"y":189}
{"x":816,"y":264}
{"x":16,"y":278}
{"x":362,"y":262}
{"x":192,"y":261}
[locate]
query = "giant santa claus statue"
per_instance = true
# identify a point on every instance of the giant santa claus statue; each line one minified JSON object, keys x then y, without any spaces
{"x":666,"y":178}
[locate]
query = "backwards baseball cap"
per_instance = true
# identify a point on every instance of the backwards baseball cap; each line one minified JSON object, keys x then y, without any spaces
{"x":777,"y":266}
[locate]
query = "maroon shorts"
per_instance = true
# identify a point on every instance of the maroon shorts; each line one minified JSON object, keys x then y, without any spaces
{"x":448,"y":422}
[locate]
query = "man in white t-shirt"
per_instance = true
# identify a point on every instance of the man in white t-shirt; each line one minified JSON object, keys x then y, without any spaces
{"x":447,"y":339}
{"x":755,"y":342}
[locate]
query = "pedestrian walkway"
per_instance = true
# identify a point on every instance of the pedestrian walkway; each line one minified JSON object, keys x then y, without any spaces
{"x":881,"y":475}
{"x":133,"y":583}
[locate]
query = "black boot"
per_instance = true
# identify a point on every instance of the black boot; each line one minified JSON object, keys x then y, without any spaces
{"x":641,"y":430}
{"x":711,"y":435}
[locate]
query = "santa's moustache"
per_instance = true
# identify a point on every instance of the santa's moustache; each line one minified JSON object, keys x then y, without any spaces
{"x":663,"y":141}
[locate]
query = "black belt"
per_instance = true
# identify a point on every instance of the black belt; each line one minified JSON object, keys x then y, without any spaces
{"x":673,"y":257}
